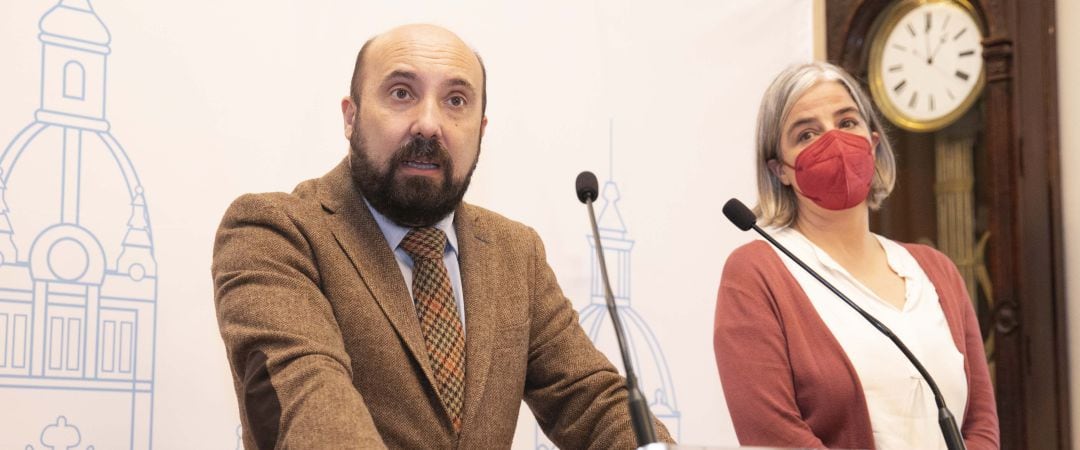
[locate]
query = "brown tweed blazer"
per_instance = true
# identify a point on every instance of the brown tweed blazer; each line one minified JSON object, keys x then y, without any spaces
{"x":326,"y":350}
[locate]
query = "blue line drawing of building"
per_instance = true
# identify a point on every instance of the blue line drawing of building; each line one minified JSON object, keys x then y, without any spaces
{"x":78,"y":277}
{"x":60,"y":435}
{"x":654,"y":378}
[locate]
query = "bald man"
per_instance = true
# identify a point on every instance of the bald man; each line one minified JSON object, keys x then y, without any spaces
{"x":372,"y":308}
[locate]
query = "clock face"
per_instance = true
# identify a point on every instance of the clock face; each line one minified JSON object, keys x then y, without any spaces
{"x":926,"y":64}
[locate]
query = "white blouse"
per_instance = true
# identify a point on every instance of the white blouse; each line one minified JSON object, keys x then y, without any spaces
{"x":903,"y":414}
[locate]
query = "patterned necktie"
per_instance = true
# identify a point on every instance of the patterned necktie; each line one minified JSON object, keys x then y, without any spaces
{"x":439,"y":319}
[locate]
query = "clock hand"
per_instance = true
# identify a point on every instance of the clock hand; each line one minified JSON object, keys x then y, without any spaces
{"x":941,"y":43}
{"x":929,"y":59}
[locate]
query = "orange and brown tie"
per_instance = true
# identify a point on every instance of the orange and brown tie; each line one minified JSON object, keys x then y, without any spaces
{"x":439,"y":319}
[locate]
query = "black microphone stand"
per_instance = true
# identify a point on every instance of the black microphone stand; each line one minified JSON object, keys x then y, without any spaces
{"x":640,"y":418}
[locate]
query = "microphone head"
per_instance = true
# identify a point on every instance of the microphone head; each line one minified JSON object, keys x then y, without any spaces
{"x":739,"y":214}
{"x":587,"y":186}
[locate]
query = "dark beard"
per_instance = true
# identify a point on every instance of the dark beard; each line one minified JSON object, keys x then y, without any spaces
{"x":414,"y":201}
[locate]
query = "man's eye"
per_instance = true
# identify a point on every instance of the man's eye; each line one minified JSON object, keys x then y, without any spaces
{"x":400,"y":93}
{"x":457,"y":100}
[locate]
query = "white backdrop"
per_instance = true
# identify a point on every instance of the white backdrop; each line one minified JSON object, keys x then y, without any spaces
{"x":210,"y":100}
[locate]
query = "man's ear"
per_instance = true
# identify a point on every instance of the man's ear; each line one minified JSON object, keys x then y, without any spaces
{"x":483,"y":126}
{"x":348,"y":115}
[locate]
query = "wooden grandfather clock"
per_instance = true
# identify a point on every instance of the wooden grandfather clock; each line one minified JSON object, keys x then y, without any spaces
{"x":969,"y":91}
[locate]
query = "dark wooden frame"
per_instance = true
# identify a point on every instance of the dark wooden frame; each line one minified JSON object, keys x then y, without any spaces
{"x":1025,"y":257}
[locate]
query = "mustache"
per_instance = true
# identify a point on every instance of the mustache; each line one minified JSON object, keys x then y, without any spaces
{"x":421,"y":149}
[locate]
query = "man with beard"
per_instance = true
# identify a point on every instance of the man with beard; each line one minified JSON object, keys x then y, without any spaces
{"x":372,"y":308}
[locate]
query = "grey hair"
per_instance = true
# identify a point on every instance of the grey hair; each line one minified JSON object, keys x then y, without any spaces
{"x":777,"y":203}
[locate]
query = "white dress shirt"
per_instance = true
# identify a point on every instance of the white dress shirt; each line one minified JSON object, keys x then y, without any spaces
{"x":902,"y":410}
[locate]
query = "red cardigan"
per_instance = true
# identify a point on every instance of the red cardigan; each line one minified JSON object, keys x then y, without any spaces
{"x":787,"y":381}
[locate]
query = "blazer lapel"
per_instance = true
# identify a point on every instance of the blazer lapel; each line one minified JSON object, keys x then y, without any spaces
{"x":360,"y":237}
{"x":474,"y":256}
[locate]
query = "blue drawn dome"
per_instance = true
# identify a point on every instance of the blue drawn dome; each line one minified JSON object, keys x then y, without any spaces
{"x":75,"y":19}
{"x":109,"y":194}
{"x":654,"y":378}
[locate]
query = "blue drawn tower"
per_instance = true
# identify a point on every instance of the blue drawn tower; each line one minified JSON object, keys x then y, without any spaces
{"x":78,"y":278}
{"x":654,"y":378}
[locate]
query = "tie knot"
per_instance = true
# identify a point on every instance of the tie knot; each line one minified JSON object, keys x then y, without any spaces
{"x":424,"y":243}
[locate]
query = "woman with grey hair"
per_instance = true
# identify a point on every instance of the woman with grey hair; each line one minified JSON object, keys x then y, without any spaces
{"x":799,"y":367}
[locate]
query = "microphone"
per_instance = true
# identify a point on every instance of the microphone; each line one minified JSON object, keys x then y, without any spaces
{"x":586,"y":187}
{"x":744,"y":219}
{"x":640,"y":419}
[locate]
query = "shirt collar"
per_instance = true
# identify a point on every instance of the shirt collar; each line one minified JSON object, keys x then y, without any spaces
{"x":899,"y":259}
{"x":894,"y":254}
{"x":395,"y":233}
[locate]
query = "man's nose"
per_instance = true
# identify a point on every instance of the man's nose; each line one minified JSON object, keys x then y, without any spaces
{"x":428,"y":121}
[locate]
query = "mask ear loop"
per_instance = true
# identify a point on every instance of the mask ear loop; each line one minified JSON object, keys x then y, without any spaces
{"x":793,"y":169}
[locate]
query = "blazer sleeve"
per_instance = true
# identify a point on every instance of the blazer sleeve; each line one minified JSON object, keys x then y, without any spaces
{"x":290,"y":369}
{"x":577,"y":396}
{"x":753,"y":361}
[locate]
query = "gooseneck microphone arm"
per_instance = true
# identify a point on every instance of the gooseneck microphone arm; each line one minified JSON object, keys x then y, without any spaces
{"x":744,"y":219}
{"x":640,"y":419}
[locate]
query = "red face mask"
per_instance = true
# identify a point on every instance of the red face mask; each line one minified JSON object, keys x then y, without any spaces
{"x":835,"y":171}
